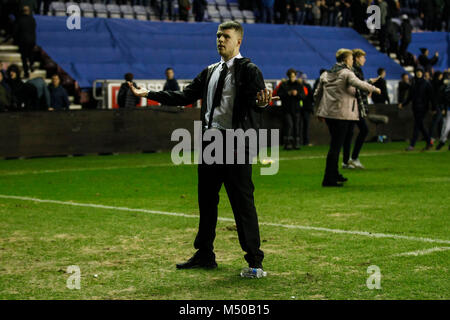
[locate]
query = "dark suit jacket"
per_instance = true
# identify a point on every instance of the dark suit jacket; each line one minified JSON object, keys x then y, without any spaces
{"x":249,"y":80}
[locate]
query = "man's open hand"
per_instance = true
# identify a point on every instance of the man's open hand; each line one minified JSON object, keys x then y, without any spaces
{"x":138,"y":92}
{"x":264,"y":97}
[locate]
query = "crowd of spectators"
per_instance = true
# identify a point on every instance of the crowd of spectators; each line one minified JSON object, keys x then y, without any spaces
{"x":428,"y":14}
{"x":31,"y":95}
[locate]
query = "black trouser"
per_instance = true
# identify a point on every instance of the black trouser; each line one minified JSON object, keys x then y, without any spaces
{"x":237,"y":179}
{"x":338,"y":130}
{"x":362,"y":135}
{"x":291,"y":127}
{"x":419,"y":116}
{"x":437,"y":117}
{"x":403,"y":49}
{"x":304,"y":125}
{"x":26,"y":52}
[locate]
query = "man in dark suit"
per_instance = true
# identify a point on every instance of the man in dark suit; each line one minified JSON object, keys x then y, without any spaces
{"x":380,"y":83}
{"x":233,"y":95}
{"x":25,"y":37}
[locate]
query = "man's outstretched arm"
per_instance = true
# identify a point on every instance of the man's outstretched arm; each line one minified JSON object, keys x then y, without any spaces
{"x":189,"y":95}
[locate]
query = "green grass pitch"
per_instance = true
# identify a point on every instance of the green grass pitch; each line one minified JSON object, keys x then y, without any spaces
{"x":318,"y":242}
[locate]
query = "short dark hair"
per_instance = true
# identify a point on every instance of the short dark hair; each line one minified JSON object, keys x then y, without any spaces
{"x":291,"y":71}
{"x":128,"y":76}
{"x":169,"y":68}
{"x":380,"y":71}
{"x":405,"y":74}
{"x":236,"y":26}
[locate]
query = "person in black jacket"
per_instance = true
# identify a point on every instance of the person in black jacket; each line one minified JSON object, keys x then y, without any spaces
{"x":25,"y":37}
{"x":421,"y":95}
{"x":383,"y":98}
{"x":59,"y":99}
{"x":233,"y":96}
{"x":405,"y":38}
{"x":291,"y":93}
{"x":403,"y":88}
{"x":171,"y":82}
{"x":126,"y":98}
{"x":427,"y":63}
{"x":198,"y":9}
{"x":5,"y":95}
{"x":426,"y":10}
{"x":16,"y":85}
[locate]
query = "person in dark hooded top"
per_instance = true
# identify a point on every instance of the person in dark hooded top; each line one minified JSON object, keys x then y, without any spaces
{"x":427,"y":63}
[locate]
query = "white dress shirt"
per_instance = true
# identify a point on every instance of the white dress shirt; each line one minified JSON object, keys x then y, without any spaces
{"x":223,"y":114}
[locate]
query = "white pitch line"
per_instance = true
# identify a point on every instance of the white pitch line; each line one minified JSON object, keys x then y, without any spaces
{"x":17,"y":173}
{"x":287,"y":226}
{"x":422,"y":252}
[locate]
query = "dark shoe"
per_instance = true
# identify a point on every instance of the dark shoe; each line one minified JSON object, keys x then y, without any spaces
{"x":332,"y":184}
{"x":428,"y":147}
{"x":198,"y":262}
{"x":341,"y":178}
{"x":440,"y":145}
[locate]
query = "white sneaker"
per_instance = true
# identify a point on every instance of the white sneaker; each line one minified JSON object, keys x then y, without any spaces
{"x":356,"y":163}
{"x":348,"y":166}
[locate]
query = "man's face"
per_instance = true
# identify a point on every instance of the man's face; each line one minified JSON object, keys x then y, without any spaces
{"x":12,"y":74}
{"x":228,"y":42}
{"x":405,"y":78}
{"x":55,"y":81}
{"x":169,"y":74}
{"x":419,"y":74}
{"x":361,"y":60}
{"x":349,"y":61}
{"x":292,"y":77}
{"x":383,"y":74}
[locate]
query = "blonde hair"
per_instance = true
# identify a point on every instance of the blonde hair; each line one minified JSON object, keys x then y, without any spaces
{"x":342,"y":54}
{"x":358,"y":53}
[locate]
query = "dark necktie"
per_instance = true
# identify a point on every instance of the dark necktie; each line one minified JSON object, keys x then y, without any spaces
{"x":218,"y":93}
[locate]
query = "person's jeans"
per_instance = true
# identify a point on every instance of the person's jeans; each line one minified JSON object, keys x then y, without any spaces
{"x":291,"y":126}
{"x":166,"y":5}
{"x":419,"y":116}
{"x":338,"y":129}
{"x":267,"y":15}
{"x":445,"y":127}
{"x":362,"y":135}
{"x":301,"y":16}
{"x":436,"y":119}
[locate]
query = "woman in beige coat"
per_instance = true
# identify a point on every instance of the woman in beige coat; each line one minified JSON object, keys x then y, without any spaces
{"x":337,"y":105}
